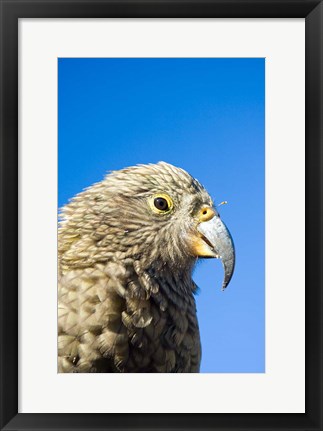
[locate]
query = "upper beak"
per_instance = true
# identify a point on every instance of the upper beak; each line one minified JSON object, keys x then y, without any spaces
{"x":219,"y":239}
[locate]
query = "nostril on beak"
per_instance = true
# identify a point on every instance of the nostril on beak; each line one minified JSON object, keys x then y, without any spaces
{"x":206,"y":214}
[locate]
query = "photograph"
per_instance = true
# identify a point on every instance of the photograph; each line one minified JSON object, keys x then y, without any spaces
{"x":161,"y":215}
{"x":161,"y":208}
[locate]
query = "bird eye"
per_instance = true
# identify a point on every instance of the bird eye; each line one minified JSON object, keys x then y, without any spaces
{"x":161,"y":204}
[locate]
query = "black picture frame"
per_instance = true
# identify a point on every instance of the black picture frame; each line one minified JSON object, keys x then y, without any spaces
{"x":11,"y":11}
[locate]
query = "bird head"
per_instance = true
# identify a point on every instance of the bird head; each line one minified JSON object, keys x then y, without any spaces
{"x":157,"y":213}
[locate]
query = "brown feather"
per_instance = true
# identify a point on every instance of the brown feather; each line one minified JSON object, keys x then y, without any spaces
{"x":126,"y":294}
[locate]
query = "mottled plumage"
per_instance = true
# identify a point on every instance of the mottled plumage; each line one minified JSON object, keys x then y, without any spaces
{"x":126,"y":294}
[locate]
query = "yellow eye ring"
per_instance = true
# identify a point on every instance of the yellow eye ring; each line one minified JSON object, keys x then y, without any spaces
{"x":161,"y":203}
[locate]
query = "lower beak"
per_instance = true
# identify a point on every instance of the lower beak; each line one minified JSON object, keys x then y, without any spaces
{"x":217,"y":236}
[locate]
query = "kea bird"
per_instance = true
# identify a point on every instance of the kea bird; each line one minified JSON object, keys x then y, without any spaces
{"x":127,"y":247}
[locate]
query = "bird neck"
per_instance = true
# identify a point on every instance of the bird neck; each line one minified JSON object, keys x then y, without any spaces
{"x":175,"y":279}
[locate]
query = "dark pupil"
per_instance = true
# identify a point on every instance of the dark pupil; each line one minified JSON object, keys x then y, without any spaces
{"x":161,"y":204}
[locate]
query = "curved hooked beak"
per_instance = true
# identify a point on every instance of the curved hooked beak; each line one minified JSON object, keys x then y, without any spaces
{"x":218,"y":238}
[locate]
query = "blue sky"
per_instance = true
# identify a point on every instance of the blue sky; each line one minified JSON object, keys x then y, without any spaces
{"x":206,"y":116}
